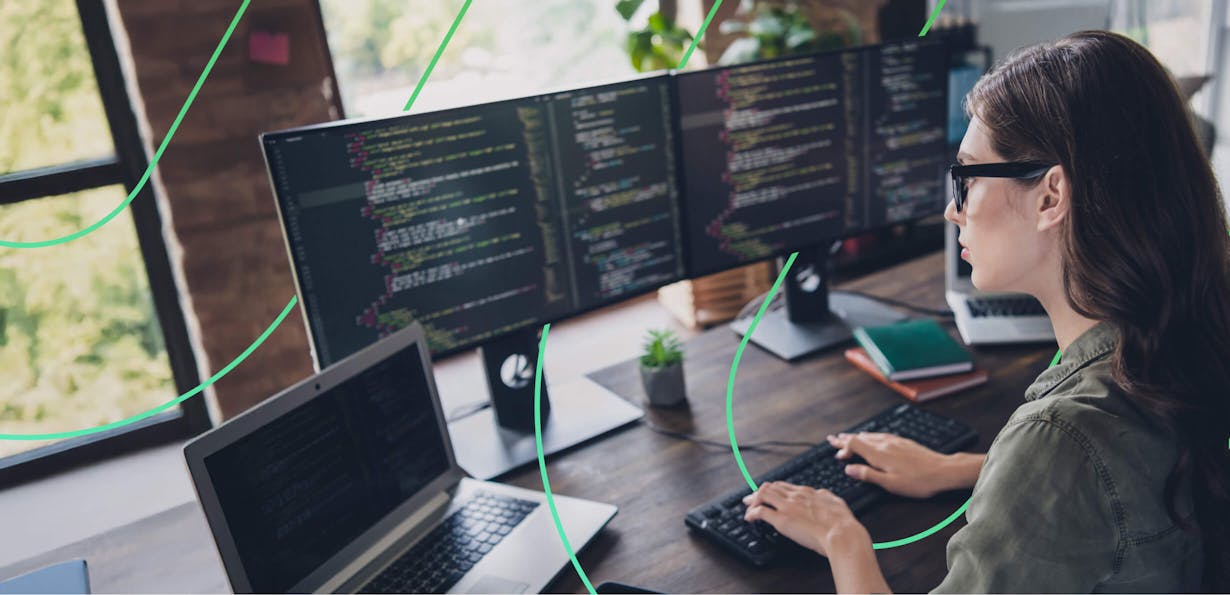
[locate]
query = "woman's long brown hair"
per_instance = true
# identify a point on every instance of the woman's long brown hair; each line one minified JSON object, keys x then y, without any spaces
{"x":1145,"y":246}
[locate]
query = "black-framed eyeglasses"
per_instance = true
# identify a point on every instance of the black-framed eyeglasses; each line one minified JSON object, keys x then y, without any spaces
{"x":1015,"y":170}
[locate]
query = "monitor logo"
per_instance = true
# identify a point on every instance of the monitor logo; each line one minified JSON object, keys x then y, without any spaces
{"x":516,"y":371}
{"x":808,"y":280}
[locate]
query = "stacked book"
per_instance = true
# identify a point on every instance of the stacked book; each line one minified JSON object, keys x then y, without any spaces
{"x":916,"y":358}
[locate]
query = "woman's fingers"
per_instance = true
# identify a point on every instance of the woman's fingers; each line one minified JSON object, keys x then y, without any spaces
{"x":862,"y":445}
{"x":867,"y":473}
{"x":760,"y":496}
{"x":861,"y":440}
{"x":763,"y":513}
{"x":773,"y":493}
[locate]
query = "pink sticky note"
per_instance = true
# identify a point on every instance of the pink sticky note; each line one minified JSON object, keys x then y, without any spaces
{"x":267,"y":47}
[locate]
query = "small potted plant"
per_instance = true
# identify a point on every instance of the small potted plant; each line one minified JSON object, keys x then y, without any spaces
{"x":662,"y":369}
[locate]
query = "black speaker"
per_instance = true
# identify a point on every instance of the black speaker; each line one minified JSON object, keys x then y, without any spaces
{"x":509,"y":364}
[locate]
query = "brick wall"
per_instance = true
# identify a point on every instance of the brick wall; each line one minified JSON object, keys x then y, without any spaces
{"x":217,"y":203}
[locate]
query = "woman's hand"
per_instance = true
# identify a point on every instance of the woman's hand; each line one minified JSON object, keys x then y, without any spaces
{"x":905,"y":467}
{"x":821,"y":521}
{"x":815,"y":519}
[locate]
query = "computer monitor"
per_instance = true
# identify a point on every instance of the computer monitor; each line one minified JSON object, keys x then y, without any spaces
{"x":482,"y":223}
{"x":763,"y":157}
{"x":479,"y":221}
{"x":794,"y":153}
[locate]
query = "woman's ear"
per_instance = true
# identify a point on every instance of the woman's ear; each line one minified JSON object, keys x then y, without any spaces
{"x":1055,"y":200}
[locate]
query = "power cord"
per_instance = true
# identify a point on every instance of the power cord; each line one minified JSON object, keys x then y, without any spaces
{"x":464,"y":411}
{"x":778,"y":302}
{"x":756,"y":446}
{"x":945,"y":313}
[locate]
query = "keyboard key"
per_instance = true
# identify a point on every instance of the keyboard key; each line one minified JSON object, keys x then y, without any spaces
{"x":818,"y":468}
{"x":453,"y":547}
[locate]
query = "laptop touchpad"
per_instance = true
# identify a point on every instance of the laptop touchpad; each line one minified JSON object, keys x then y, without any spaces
{"x":495,"y":584}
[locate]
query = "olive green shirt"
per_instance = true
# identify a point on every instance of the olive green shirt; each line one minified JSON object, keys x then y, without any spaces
{"x":1070,"y":496}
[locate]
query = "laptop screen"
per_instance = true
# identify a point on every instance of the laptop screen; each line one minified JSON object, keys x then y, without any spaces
{"x":300,"y":488}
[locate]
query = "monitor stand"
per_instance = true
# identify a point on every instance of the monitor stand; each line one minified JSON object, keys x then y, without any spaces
{"x":500,"y":438}
{"x":812,"y":319}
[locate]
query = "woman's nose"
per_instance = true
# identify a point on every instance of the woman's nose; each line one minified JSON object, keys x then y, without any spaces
{"x":950,"y":212}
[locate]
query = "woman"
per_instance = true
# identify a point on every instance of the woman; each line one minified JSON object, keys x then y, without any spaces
{"x":1114,"y":475}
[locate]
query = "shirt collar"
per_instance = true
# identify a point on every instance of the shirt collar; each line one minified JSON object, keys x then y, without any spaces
{"x":1093,"y":344}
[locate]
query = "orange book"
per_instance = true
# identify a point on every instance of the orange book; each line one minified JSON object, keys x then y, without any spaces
{"x":919,"y":390}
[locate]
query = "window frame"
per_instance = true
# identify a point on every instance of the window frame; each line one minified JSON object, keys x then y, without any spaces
{"x":125,"y":166}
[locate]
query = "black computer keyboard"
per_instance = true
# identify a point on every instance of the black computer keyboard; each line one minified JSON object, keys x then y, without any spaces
{"x":721,"y":519}
{"x":1005,"y":306}
{"x":441,"y":558}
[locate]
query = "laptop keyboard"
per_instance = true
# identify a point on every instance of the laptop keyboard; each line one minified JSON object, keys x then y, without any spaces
{"x":721,"y":519}
{"x":1005,"y":306}
{"x":441,"y":558}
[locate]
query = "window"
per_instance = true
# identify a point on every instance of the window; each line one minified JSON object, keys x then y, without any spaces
{"x":90,"y":330}
{"x":503,"y":48}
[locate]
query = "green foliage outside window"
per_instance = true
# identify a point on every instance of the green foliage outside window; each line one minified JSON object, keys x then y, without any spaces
{"x":80,"y":344}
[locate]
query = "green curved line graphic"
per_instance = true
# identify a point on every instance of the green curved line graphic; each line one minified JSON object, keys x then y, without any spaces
{"x":911,"y":539}
{"x":542,"y":461}
{"x":696,"y":40}
{"x":157,"y":154}
{"x":734,"y":367}
{"x":931,"y":21}
{"x":734,"y":445}
{"x":730,"y":426}
{"x":436,"y":57}
{"x":200,"y":387}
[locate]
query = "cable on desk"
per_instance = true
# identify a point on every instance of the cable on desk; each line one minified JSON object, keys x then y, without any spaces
{"x":900,"y":304}
{"x":778,"y":301}
{"x":759,"y":446}
{"x":464,"y":411}
{"x":749,"y":308}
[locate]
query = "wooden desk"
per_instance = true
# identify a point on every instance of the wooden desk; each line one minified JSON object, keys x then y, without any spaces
{"x":655,"y":479}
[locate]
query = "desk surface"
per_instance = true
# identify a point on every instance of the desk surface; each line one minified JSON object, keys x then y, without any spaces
{"x":655,"y":479}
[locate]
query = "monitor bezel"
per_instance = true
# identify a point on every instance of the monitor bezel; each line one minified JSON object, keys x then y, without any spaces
{"x":682,"y":232}
{"x":199,"y":449}
{"x":681,"y":272}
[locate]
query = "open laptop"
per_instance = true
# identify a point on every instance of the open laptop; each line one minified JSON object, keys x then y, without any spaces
{"x":987,"y":317}
{"x":346,"y":482}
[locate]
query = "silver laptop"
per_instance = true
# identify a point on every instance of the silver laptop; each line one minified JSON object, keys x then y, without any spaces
{"x":986,"y":317}
{"x":346,"y":482}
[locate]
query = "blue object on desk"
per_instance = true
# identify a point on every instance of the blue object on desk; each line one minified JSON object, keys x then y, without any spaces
{"x":66,"y":577}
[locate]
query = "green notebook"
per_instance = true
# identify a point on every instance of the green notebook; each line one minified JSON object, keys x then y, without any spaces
{"x":916,"y":348}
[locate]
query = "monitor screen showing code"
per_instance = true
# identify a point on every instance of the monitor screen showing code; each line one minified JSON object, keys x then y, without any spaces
{"x":302,"y":487}
{"x":795,"y":152}
{"x":481,"y":220}
{"x":764,"y":157}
